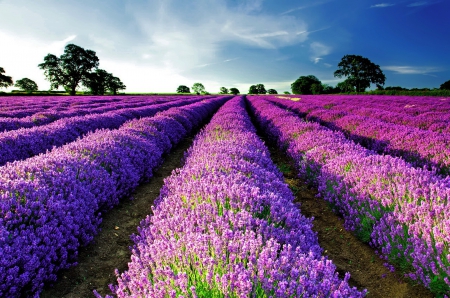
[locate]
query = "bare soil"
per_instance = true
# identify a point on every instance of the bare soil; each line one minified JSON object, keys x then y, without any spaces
{"x":110,"y":249}
{"x":346,"y":251}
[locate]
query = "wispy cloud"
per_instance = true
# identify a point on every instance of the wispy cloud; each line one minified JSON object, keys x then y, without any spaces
{"x":315,"y":3}
{"x":311,"y":31}
{"x":424,"y":70}
{"x":318,"y":50}
{"x":415,"y":4}
{"x":381,"y":5}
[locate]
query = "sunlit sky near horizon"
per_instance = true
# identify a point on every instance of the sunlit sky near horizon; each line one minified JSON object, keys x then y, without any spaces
{"x":155,"y":46}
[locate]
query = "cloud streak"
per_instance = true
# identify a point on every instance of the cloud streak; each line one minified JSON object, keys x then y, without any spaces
{"x":382,"y":5}
{"x":424,"y":70}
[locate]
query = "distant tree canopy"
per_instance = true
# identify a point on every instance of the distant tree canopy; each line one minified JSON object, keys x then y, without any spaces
{"x":257,"y":89}
{"x":198,"y":88}
{"x":101,"y":81}
{"x":272,"y":91}
{"x":114,"y":84}
{"x":345,"y":86}
{"x":303,"y":85}
{"x":26,"y":84}
{"x":287,"y":92}
{"x":359,"y":72}
{"x":70,"y":69}
{"x":183,"y":89}
{"x":234,"y":91}
{"x":445,"y":86}
{"x":5,"y":81}
{"x":223,"y":90}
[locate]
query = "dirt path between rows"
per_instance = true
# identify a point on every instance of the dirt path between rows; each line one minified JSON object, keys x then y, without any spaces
{"x":110,"y":248}
{"x":347,"y":252}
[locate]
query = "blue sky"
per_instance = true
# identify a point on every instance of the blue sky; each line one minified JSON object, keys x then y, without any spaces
{"x":155,"y":46}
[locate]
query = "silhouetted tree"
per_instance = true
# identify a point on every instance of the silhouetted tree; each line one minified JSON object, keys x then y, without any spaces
{"x":183,"y":89}
{"x":303,"y":84}
{"x":257,"y":89}
{"x":5,"y":81}
{"x":223,"y":90}
{"x":445,"y":86}
{"x":234,"y":91}
{"x":360,"y":72}
{"x":272,"y":91}
{"x":96,"y":81}
{"x":26,"y":84}
{"x":198,"y":88}
{"x":70,"y":69}
{"x":113,"y":84}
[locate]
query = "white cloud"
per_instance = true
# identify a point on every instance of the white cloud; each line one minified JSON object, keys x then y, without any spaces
{"x":318,"y":50}
{"x":168,"y":37}
{"x":315,"y":3}
{"x":21,"y":62}
{"x":417,"y":4}
{"x":382,"y":5}
{"x":413,"y":69}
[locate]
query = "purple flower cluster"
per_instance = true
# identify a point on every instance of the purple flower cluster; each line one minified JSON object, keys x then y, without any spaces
{"x":424,"y":112}
{"x":51,"y":204}
{"x":400,"y":210}
{"x":26,"y":142}
{"x":78,"y":108}
{"x":419,"y":147}
{"x":225,"y":225}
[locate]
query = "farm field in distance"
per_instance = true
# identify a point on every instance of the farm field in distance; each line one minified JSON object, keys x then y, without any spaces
{"x":223,"y":195}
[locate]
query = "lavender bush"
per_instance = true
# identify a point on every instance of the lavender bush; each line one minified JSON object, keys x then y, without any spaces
{"x":52,"y":204}
{"x":422,"y":148}
{"x":225,"y":225}
{"x":401,"y":210}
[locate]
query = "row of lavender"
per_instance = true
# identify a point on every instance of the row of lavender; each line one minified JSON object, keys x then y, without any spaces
{"x":53,"y":114}
{"x":225,"y":225}
{"x":400,"y":210}
{"x":51,"y":204}
{"x":422,"y":148}
{"x":23,"y":106}
{"x":429,"y":113}
{"x":27,"y":142}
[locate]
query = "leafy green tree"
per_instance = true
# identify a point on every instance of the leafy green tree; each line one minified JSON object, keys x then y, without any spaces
{"x":261,"y":89}
{"x":183,"y":89}
{"x":26,"y":84}
{"x":272,"y":91}
{"x":113,"y":84}
{"x":257,"y":89}
{"x":70,"y":69}
{"x":5,"y":81}
{"x":360,"y":72}
{"x":234,"y":91}
{"x":345,"y":86}
{"x":223,"y":90}
{"x":287,"y":92}
{"x":96,"y":81}
{"x":304,"y":84}
{"x":316,"y":88}
{"x":198,"y":88}
{"x":253,"y":90}
{"x":445,"y":86}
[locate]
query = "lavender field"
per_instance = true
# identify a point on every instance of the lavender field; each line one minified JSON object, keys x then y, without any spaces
{"x":225,"y":223}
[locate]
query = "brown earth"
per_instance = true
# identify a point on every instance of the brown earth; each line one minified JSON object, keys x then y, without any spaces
{"x":345,"y":250}
{"x":110,"y":249}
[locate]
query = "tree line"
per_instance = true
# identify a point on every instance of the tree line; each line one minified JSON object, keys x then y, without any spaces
{"x":75,"y":67}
